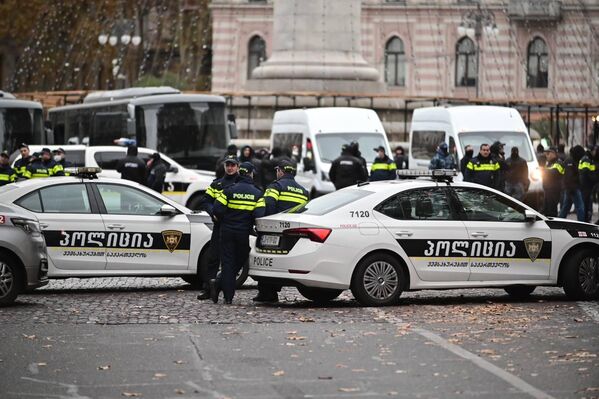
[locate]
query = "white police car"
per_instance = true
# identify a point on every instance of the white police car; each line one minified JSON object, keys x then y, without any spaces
{"x":379,"y":239}
{"x":112,"y":227}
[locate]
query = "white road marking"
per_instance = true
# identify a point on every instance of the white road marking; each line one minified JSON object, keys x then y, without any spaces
{"x":511,"y":379}
{"x":72,"y":389}
{"x":591,"y":309}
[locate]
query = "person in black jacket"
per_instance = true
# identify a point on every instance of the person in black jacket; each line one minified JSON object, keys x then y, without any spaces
{"x":355,"y":150}
{"x":468,"y":155}
{"x":516,"y":177}
{"x":498,"y":154}
{"x":156,"y":172}
{"x":347,"y":169}
{"x":400,"y":158}
{"x":553,"y":173}
{"x":21,"y":164}
{"x":247,"y":154}
{"x":131,"y":167}
{"x":483,"y":169}
{"x":571,"y":185}
{"x":587,"y":172}
{"x":7,"y":174}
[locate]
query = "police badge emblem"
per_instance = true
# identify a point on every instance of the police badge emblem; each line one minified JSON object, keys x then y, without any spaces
{"x":171,"y":238}
{"x":533,"y":247}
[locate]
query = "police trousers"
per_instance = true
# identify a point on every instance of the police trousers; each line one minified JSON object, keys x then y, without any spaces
{"x":234,"y":252}
{"x":552,"y":198}
{"x":588,"y":203}
{"x":210,"y":270}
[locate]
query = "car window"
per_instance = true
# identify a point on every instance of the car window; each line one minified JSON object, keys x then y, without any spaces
{"x":31,"y":202}
{"x":65,"y":198}
{"x":124,"y":200}
{"x":482,"y":205}
{"x":420,"y":204}
{"x":108,"y":159}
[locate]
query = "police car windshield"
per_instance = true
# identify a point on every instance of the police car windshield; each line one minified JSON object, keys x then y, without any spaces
{"x":329,"y":144}
{"x":328,"y":203}
{"x":511,"y":139}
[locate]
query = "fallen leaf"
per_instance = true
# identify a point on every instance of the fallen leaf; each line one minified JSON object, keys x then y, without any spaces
{"x":296,"y":338}
{"x":340,"y":366}
{"x":29,"y":336}
{"x":358,"y":370}
{"x":107,"y":367}
{"x":306,"y":319}
{"x":291,"y":332}
{"x":349,"y":389}
{"x":278,"y":373}
{"x":578,"y":320}
{"x":592,"y":389}
{"x":179,"y":392}
{"x":42,"y":364}
{"x":178,"y":362}
{"x":131,"y":394}
{"x":159,"y":375}
{"x":367,"y":333}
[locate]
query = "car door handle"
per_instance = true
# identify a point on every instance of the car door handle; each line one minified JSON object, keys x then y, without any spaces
{"x":116,"y":226}
{"x":404,"y":233}
{"x":44,"y":225}
{"x":479,"y":234}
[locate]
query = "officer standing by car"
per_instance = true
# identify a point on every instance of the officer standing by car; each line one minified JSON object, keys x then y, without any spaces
{"x":231,"y":175}
{"x":552,"y":181}
{"x":347,"y":169}
{"x":237,"y":209}
{"x":44,"y":166}
{"x":483,"y":169}
{"x":587,"y":172}
{"x":282,"y":194}
{"x":131,"y":167}
{"x":59,"y":157}
{"x":21,"y":164}
{"x":571,"y":185}
{"x":383,"y":167}
{"x":7,"y":174}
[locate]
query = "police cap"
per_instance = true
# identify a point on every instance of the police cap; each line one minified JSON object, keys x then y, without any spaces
{"x":380,"y":148}
{"x":287,"y":166}
{"x":59,"y":150}
{"x":246,"y":168}
{"x":45,"y":150}
{"x":232,"y":159}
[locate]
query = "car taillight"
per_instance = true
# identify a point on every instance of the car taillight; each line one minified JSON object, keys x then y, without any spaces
{"x":314,"y":234}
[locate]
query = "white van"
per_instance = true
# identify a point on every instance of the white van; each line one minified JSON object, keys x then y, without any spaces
{"x":315,"y":136}
{"x":473,"y":125}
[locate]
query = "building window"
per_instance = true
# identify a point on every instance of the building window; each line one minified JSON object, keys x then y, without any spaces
{"x":465,"y":66}
{"x":256,"y":54}
{"x":395,"y":62}
{"x":538,"y":64}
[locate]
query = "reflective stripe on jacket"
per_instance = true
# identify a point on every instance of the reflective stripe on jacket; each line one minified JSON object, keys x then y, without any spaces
{"x":239,"y":205}
{"x":382,"y":169}
{"x":284,"y":194}
{"x":483,"y":171}
{"x":7,"y":175}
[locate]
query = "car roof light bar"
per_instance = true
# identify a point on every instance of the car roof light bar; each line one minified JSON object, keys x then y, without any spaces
{"x":87,"y":172}
{"x":435,"y":174}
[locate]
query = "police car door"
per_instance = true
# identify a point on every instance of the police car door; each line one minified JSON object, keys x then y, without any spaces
{"x":72,"y":226}
{"x":425,"y":225}
{"x":503,"y":245}
{"x":138,"y":237}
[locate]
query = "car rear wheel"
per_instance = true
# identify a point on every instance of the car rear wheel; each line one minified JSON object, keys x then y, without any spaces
{"x":520,"y":291}
{"x":242,"y":275}
{"x":10,"y":280}
{"x":196,"y":280}
{"x":378,"y":280}
{"x":319,"y":295}
{"x":581,"y":276}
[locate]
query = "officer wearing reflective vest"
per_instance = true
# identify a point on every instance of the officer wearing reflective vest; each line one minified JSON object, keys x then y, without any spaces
{"x":44,"y":166}
{"x":284,"y":193}
{"x":7,"y":174}
{"x":483,"y":169}
{"x":237,"y":209}
{"x":587,"y":173}
{"x":383,"y":167}
{"x":59,"y":157}
{"x":21,"y":164}
{"x":553,"y":175}
{"x":231,"y":168}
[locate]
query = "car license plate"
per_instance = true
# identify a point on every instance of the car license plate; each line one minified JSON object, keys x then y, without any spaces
{"x":270,"y":241}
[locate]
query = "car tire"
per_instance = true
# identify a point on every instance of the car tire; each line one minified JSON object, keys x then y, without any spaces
{"x":242,"y":275}
{"x":378,"y":280}
{"x":11,"y":280}
{"x":319,"y":295}
{"x":520,"y":291}
{"x":581,"y":275}
{"x":195,"y":203}
{"x":196,"y":281}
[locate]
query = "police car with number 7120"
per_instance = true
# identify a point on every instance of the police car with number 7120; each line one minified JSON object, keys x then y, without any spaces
{"x":379,"y":239}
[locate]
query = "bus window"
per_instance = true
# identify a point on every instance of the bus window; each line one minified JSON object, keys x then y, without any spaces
{"x":19,"y":125}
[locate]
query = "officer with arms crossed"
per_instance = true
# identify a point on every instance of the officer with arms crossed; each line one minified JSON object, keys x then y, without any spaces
{"x":282,"y":194}
{"x":483,"y":169}
{"x":21,"y":164}
{"x":237,"y":208}
{"x":7,"y":174}
{"x":231,"y":167}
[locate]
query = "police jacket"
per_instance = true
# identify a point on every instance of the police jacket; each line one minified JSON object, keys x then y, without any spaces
{"x":283,"y":194}
{"x":40,"y":168}
{"x":483,"y":171}
{"x":517,"y":171}
{"x":442,"y":160}
{"x":238,"y":206}
{"x":156,"y":176}
{"x":215,"y":189}
{"x":383,"y":169}
{"x":132,"y":168}
{"x":21,"y":167}
{"x":553,"y":175}
{"x":571,"y":179}
{"x":347,"y":170}
{"x":65,"y":164}
{"x":587,"y":173}
{"x":7,"y":175}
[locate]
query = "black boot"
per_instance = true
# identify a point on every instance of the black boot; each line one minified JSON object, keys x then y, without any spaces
{"x":204,"y":294}
{"x":214,"y":290}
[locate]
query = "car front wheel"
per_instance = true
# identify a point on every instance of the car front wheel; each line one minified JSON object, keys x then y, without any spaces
{"x":581,"y":276}
{"x":319,"y":295}
{"x":378,"y":280}
{"x":10,"y":281}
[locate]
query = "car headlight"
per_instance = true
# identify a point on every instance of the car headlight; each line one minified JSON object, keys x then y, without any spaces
{"x":29,"y":226}
{"x":536,"y":174}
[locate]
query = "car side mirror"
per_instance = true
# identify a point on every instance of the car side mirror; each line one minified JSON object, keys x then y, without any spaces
{"x":168,"y":210}
{"x":530,"y":216}
{"x":173,"y":169}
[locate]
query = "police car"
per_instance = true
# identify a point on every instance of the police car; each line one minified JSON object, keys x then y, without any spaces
{"x":98,"y":227}
{"x":379,"y":239}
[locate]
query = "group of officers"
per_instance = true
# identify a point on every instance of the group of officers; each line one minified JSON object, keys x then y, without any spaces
{"x":46,"y":163}
{"x":234,"y":202}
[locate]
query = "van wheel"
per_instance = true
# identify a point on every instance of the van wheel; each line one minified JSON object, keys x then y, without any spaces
{"x":520,"y":291}
{"x":11,"y":279}
{"x":378,"y":280}
{"x":581,"y":276}
{"x":319,"y":295}
{"x":242,"y":275}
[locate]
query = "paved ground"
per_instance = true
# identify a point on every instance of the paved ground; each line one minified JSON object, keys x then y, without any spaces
{"x":150,"y":338}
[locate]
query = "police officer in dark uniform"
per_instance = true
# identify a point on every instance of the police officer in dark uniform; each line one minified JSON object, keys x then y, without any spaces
{"x":347,"y":169}
{"x":282,"y":194}
{"x":237,"y":209}
{"x":21,"y":164}
{"x":60,"y":158}
{"x":571,"y":185}
{"x":383,"y":167}
{"x":44,"y":166}
{"x":483,"y":169}
{"x":553,"y":175}
{"x":7,"y":174}
{"x":131,"y":167}
{"x":231,"y":168}
{"x":587,"y":172}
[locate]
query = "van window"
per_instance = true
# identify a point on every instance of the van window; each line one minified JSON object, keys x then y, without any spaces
{"x":289,"y":141}
{"x":510,"y":139}
{"x":75,"y":157}
{"x":425,"y":143}
{"x":329,"y":144}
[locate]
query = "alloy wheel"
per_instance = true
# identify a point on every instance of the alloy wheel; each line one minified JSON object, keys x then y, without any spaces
{"x":588,"y":275}
{"x":380,"y":280}
{"x":6,"y":279}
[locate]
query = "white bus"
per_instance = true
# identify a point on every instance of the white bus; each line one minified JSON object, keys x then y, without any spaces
{"x":20,"y":122}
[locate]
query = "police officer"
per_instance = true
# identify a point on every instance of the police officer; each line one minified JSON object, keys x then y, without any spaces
{"x":442,"y":159}
{"x":571,"y":185}
{"x":553,"y":174}
{"x":483,"y":169}
{"x":587,"y":173}
{"x":231,"y":174}
{"x":21,"y":164}
{"x":44,"y":166}
{"x":131,"y":167}
{"x":236,"y":208}
{"x":347,"y":169}
{"x":383,"y":167}
{"x":282,"y":194}
{"x":59,"y":157}
{"x":7,"y":174}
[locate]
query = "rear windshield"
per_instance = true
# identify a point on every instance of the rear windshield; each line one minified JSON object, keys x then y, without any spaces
{"x":330,"y":202}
